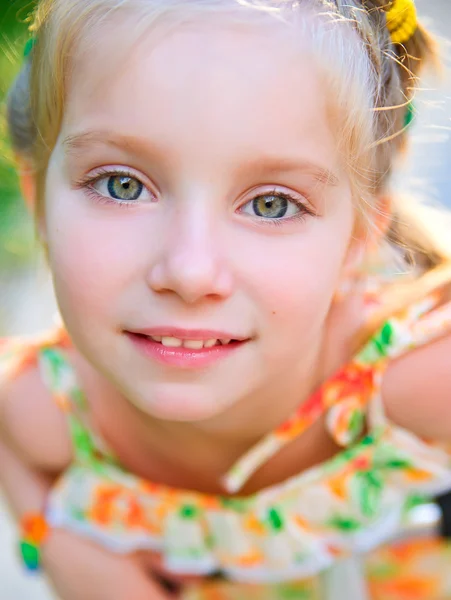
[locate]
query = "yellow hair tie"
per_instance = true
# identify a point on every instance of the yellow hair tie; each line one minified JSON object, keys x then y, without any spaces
{"x":402,"y":20}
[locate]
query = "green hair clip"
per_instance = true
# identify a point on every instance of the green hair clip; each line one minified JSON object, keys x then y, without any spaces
{"x":410,"y":114}
{"x":29,"y":47}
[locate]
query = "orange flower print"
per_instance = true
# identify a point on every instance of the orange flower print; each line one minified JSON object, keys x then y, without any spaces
{"x":103,"y":506}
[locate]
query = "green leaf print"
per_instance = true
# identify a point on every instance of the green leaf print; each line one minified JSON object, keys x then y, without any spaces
{"x":386,"y":336}
{"x":57,"y":369}
{"x":356,"y":423}
{"x":398,"y":463}
{"x":384,"y":339}
{"x":275,"y":519}
{"x":378,"y":345}
{"x":348,"y":454}
{"x":345,"y":524}
{"x":239,"y":505}
{"x":30,"y":555}
{"x":414,"y":501}
{"x":189,"y":511}
{"x":79,"y":398}
{"x":390,"y":458}
{"x":368,"y":440}
{"x":84,"y":446}
{"x":368,"y":488}
{"x":368,"y":484}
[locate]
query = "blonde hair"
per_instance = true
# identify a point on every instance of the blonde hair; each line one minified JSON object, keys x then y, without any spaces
{"x":373,"y":82}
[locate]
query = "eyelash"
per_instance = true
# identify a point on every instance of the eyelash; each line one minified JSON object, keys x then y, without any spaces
{"x":86,"y":186}
{"x":303,"y":213}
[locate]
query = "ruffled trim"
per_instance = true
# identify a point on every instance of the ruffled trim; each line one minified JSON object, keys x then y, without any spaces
{"x":350,"y":503}
{"x":353,"y":503}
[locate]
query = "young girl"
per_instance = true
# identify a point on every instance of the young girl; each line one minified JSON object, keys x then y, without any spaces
{"x":251,"y":379}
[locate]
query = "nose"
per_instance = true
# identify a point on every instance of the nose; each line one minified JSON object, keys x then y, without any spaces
{"x":191,"y":263}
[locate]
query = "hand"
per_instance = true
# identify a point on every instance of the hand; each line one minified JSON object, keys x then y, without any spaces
{"x":80,"y":570}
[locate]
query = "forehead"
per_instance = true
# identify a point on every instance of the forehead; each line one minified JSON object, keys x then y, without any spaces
{"x":241,"y":83}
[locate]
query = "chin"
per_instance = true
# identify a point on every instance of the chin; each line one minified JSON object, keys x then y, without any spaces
{"x":176,"y":405}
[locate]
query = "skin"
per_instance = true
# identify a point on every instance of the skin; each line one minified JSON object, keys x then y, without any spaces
{"x":192,"y":258}
{"x":190,"y":252}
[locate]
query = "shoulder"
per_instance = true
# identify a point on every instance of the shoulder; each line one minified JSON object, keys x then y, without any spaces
{"x":416,"y":389}
{"x":31,"y":423}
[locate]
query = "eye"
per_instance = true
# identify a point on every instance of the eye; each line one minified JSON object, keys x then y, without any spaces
{"x":275,"y":206}
{"x":122,"y":187}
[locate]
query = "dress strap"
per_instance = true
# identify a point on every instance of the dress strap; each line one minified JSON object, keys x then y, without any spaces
{"x":46,"y":352}
{"x":60,"y":378}
{"x":345,"y":396}
{"x":407,"y":331}
{"x":430,"y":327}
{"x":355,"y":381}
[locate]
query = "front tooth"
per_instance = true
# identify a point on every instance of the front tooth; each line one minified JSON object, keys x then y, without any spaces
{"x":225,"y":342}
{"x":193,"y":344}
{"x":171,"y":342}
{"x":156,"y":338}
{"x":210,"y":343}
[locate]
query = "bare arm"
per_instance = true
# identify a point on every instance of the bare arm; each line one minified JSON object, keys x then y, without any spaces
{"x":417,"y":391}
{"x":77,"y":569}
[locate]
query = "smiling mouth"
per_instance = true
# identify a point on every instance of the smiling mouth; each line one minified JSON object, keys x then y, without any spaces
{"x":173,"y":342}
{"x":185,"y":353}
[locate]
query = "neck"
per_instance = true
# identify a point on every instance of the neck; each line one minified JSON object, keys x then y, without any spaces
{"x":212,"y":446}
{"x":204,"y":451}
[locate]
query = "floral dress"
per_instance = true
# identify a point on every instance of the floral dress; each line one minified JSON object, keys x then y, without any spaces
{"x":274,"y":543}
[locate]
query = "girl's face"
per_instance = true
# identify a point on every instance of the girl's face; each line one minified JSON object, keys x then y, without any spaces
{"x":236,"y":216}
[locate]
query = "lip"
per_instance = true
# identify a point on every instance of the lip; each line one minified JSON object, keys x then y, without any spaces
{"x":181,"y":357}
{"x":189,"y":334}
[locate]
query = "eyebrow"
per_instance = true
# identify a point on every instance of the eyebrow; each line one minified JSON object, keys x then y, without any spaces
{"x":266,"y":165}
{"x":277,"y":165}
{"x":78,"y":142}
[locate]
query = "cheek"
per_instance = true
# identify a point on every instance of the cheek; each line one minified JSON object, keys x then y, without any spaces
{"x":296,"y":290}
{"x":91,"y":260}
{"x":294,"y":280}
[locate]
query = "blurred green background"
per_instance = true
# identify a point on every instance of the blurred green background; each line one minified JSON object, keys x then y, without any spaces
{"x":16,"y":229}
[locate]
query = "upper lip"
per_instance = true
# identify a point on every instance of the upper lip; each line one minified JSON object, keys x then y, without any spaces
{"x":189,"y":334}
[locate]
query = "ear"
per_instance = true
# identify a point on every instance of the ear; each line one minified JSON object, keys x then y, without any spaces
{"x":27,"y":182}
